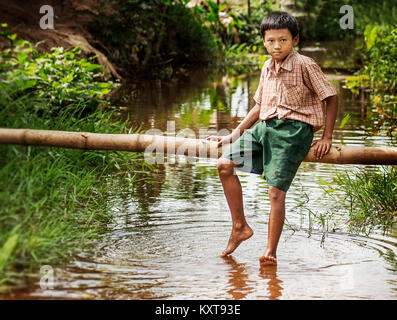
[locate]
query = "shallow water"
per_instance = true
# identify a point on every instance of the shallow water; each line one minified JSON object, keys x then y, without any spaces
{"x":168,"y":232}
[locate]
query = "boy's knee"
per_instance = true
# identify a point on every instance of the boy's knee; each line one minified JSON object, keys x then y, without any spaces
{"x":276,"y":193}
{"x":225,"y":166}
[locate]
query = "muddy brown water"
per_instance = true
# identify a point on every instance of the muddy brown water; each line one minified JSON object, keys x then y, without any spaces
{"x":167,"y":234}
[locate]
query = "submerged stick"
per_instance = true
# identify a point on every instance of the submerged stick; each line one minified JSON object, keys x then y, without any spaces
{"x":338,"y":154}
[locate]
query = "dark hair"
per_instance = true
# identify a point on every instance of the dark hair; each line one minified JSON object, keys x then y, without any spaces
{"x":279,"y":20}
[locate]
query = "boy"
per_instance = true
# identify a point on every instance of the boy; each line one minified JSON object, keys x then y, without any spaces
{"x":289,"y":101}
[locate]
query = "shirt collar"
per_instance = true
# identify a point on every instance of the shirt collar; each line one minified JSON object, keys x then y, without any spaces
{"x":286,"y":64}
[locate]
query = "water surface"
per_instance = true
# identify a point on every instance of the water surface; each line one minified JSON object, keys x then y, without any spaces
{"x":168,"y":231}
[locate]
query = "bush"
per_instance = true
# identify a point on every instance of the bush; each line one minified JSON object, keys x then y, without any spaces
{"x":53,"y":202}
{"x":321,"y":21}
{"x":52,"y":82}
{"x":249,"y":31}
{"x":143,"y":35}
{"x":381,"y":57}
{"x":378,"y":75}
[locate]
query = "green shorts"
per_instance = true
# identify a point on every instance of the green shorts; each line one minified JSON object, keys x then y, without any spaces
{"x":273,"y":147}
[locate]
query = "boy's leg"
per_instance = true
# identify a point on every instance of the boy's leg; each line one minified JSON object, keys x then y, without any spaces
{"x":275,"y":226}
{"x":234,"y":196}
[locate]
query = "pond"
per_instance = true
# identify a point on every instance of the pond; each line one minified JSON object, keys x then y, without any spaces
{"x":168,"y":232}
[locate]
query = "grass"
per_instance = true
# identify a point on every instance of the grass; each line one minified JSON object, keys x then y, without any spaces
{"x":371,"y":198}
{"x":362,"y":200}
{"x":368,"y":196}
{"x":54,"y":202}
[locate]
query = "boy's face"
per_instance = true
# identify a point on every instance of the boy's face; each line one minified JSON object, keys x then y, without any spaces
{"x":279,"y":43}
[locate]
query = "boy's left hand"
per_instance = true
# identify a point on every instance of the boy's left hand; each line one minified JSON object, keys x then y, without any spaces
{"x":321,"y":147}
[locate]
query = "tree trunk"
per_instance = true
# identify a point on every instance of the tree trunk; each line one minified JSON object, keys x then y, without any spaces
{"x":338,"y":154}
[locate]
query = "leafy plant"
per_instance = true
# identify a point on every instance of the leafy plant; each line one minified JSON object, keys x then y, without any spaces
{"x":355,"y":83}
{"x":54,"y":202}
{"x":381,"y":64}
{"x":57,"y":78}
{"x":241,"y":58}
{"x":249,"y":32}
{"x":320,"y":20}
{"x":378,"y":75}
{"x":344,"y":121}
{"x":144,"y":37}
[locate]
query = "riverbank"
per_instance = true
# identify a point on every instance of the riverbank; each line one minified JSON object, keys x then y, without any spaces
{"x":69,"y":27}
{"x":54,"y":202}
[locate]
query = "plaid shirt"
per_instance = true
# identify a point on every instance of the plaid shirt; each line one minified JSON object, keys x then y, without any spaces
{"x":295,"y":92}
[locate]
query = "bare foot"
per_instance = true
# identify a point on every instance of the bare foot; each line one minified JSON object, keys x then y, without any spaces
{"x":237,"y":236}
{"x":268,"y":259}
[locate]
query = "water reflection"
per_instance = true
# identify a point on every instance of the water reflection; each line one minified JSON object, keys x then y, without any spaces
{"x":274,"y":288}
{"x":238,"y":279}
{"x":241,"y":285}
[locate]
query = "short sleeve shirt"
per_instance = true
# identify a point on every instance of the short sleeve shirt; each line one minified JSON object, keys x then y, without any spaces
{"x":296,"y":92}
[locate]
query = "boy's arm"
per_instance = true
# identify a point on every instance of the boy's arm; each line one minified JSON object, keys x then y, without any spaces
{"x":323,"y":145}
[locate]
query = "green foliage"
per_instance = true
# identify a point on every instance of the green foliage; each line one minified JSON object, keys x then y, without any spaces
{"x":210,"y":11}
{"x":7,"y":249}
{"x":53,"y":202}
{"x":355,"y":83}
{"x":192,"y":39}
{"x":56,"y":78}
{"x":322,"y":17}
{"x":381,"y":67}
{"x":344,"y":121}
{"x":151,"y":38}
{"x":318,"y":23}
{"x":370,"y":34}
{"x":249,"y":32}
{"x":378,"y":75}
{"x":240,"y":58}
{"x":240,"y":42}
{"x":143,"y":36}
{"x":381,"y":62}
{"x":368,"y":195}
{"x":247,"y":26}
{"x":371,"y":198}
{"x":224,"y":29}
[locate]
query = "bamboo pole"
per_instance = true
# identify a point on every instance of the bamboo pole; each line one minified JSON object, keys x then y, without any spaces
{"x":338,"y":154}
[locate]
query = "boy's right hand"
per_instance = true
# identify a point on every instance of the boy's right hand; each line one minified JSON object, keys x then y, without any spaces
{"x":221,"y":139}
